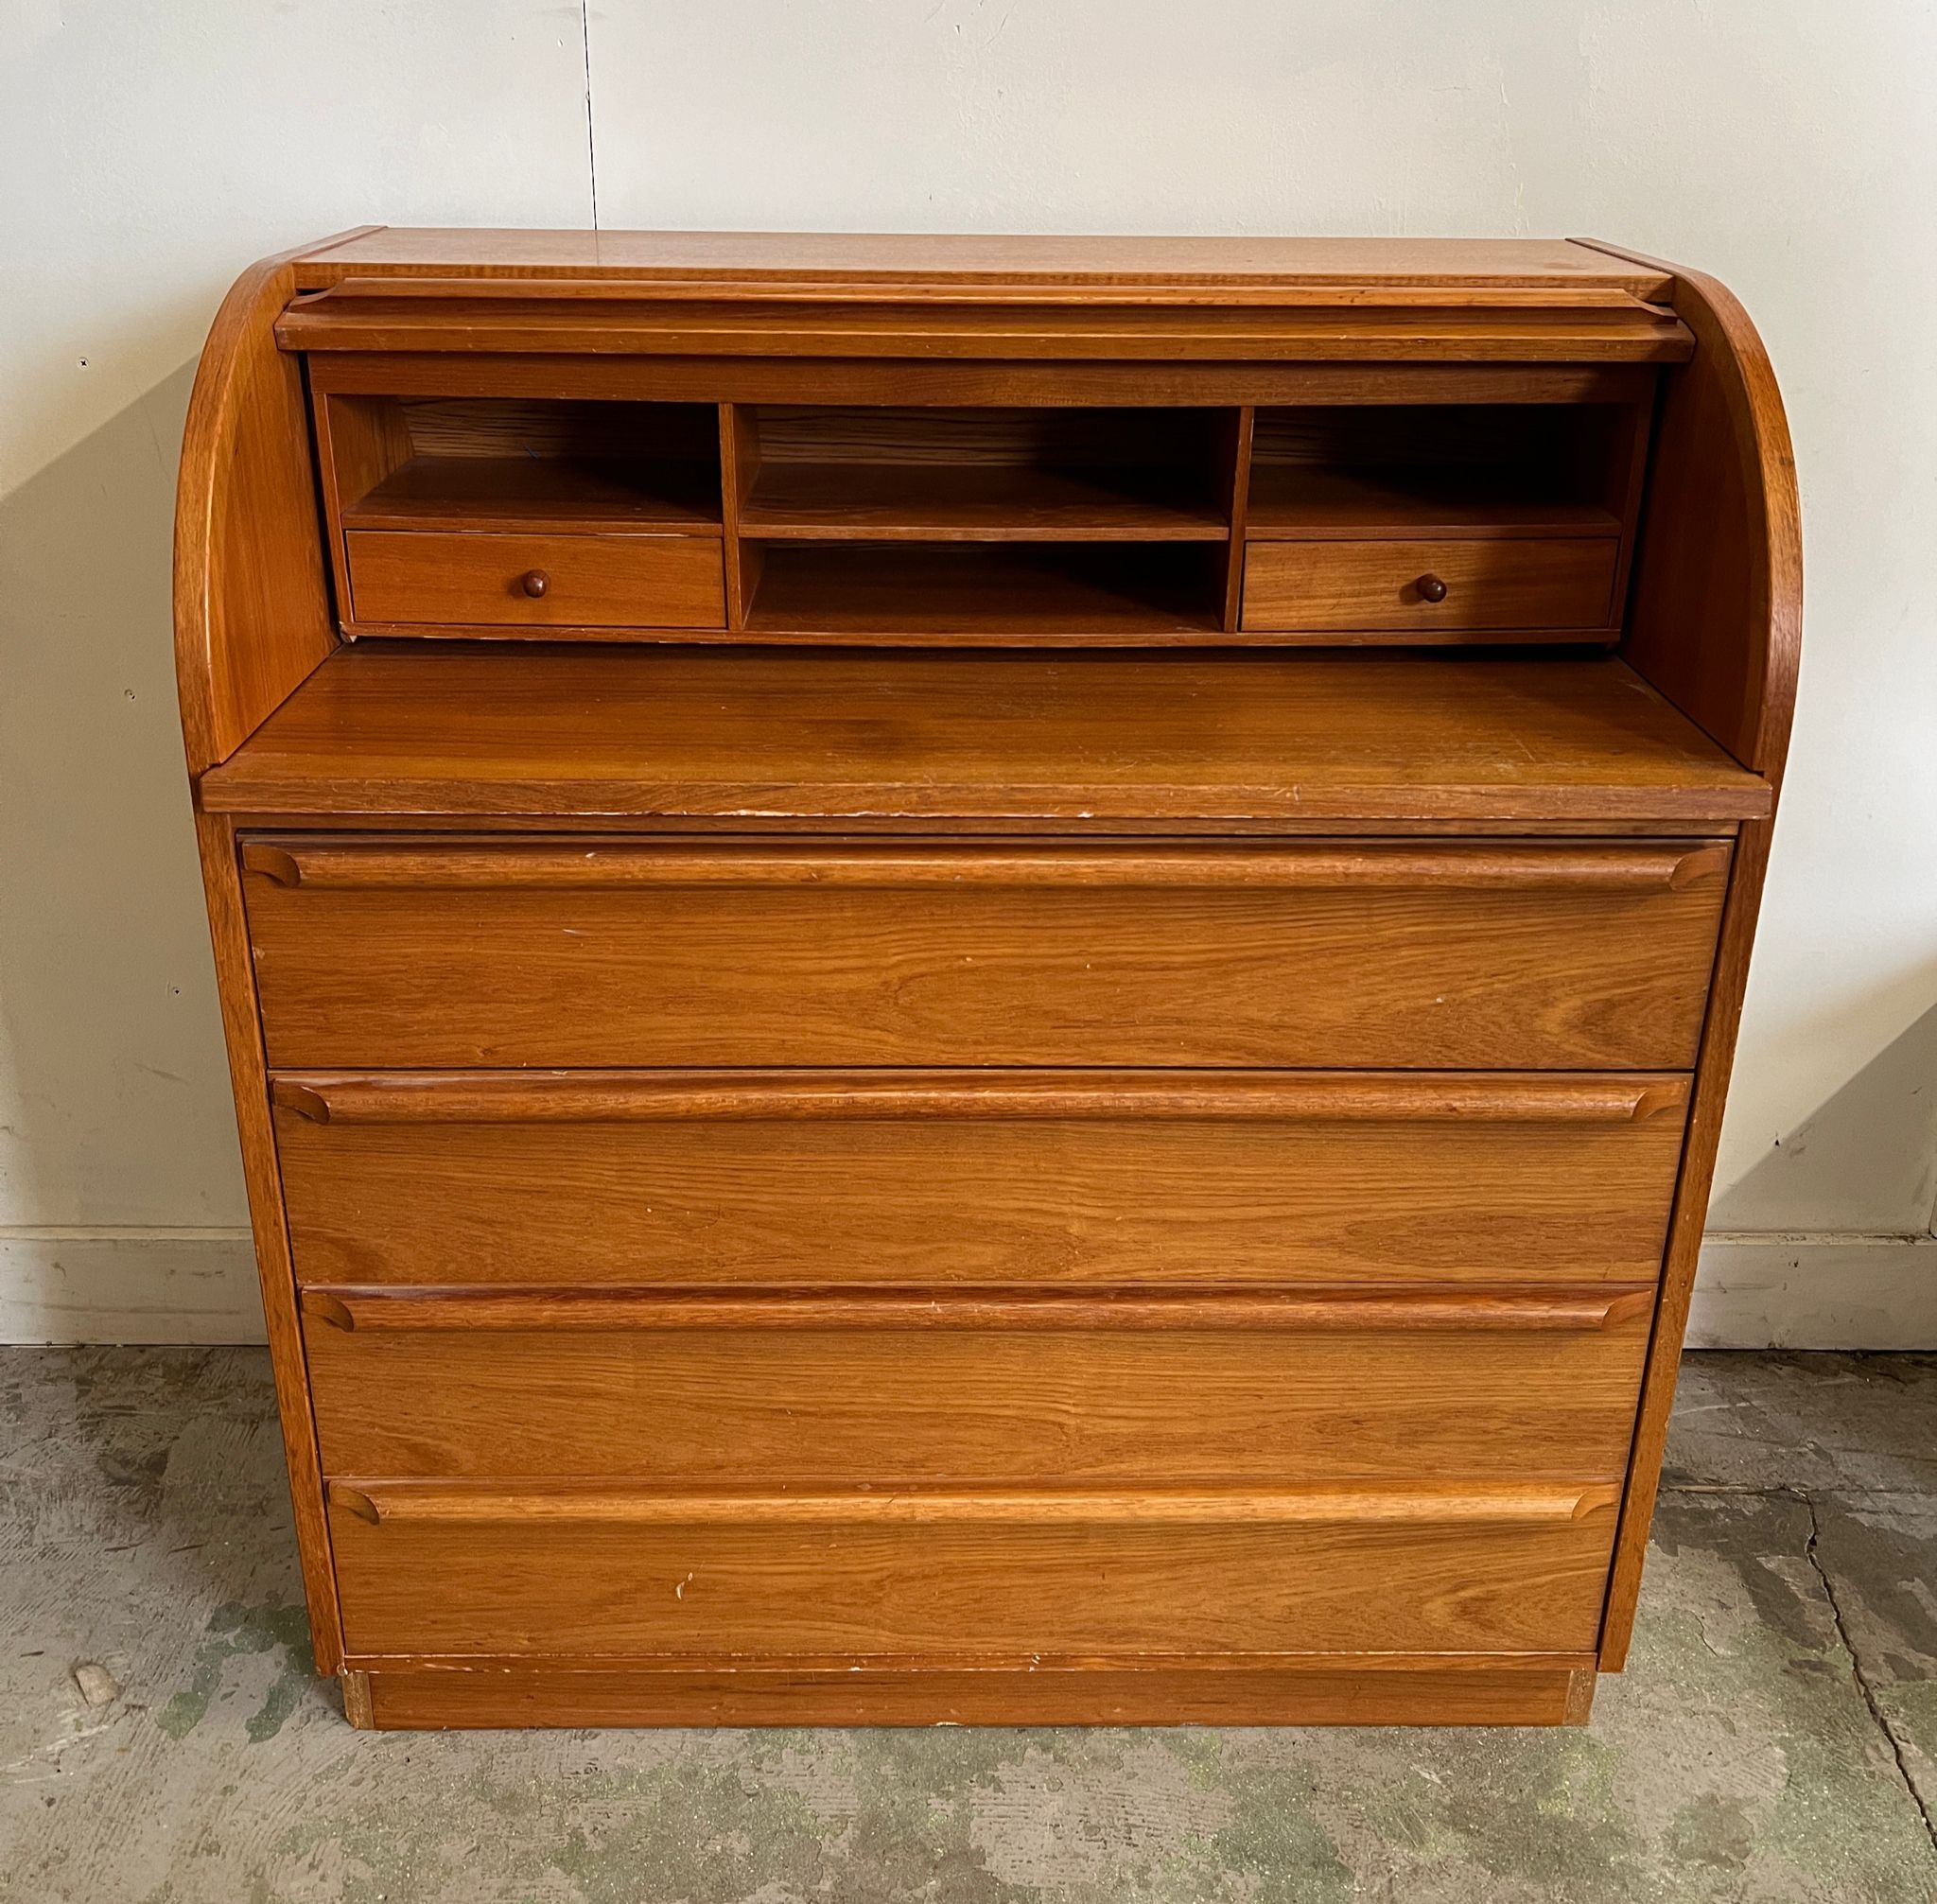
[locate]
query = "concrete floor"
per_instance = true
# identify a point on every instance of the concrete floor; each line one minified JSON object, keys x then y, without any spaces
{"x":1775,"y":1737}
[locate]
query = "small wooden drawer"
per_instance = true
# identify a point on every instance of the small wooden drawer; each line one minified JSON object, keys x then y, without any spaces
{"x":543,"y":582}
{"x":562,"y":1571}
{"x":1485,"y":954}
{"x":787,"y":1388}
{"x":1075,"y":1177}
{"x":1507,"y":584}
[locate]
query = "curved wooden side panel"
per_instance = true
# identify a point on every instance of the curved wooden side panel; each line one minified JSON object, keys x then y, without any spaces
{"x":1714,"y":622}
{"x":1714,"y":619}
{"x":252,"y":608}
{"x":252,"y":620}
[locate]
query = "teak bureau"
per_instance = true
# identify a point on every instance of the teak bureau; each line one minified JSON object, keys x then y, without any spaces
{"x":979,"y":979}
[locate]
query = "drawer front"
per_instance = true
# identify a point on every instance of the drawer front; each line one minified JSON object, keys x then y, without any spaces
{"x":812,"y":1178}
{"x":443,"y":1570}
{"x":580,"y":581}
{"x":1509,"y":956}
{"x":893,"y":1388}
{"x":1500,"y":583}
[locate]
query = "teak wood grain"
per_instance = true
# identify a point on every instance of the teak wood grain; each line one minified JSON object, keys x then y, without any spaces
{"x":832,"y":736}
{"x":242,"y":1032}
{"x":1214,"y":1397}
{"x":541,"y":582}
{"x":377,"y":1309}
{"x":521,"y":493}
{"x":1040,"y":526}
{"x":975,"y":1179}
{"x":1290,"y":499}
{"x":1139,"y":265}
{"x":1265,"y":1689}
{"x":1030,"y":594}
{"x":1510,"y":1570}
{"x":965,"y":503}
{"x":585,"y":1503}
{"x":251,"y":607}
{"x":971,"y":1082}
{"x":594,"y":953}
{"x":1725,"y":435}
{"x":1492,"y":590}
{"x":743,"y":380}
{"x":1396,"y":326}
{"x":1723,"y":540}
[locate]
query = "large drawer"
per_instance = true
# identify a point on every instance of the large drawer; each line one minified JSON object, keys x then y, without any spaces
{"x":821,"y":1178}
{"x":450,"y":1569}
{"x":404,"y":953}
{"x":537,"y":582}
{"x":789,"y":1389}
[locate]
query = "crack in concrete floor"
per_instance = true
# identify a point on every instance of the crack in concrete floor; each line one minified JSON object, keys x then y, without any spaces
{"x":1870,"y":1701}
{"x":1891,"y":1735}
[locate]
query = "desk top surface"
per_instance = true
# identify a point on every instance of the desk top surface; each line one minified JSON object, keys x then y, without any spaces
{"x":752,"y":736}
{"x":919,"y":259}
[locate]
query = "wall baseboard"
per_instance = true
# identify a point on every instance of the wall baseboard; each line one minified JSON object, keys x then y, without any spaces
{"x":127,"y":1286}
{"x":1815,"y":1291}
{"x":1755,"y":1291}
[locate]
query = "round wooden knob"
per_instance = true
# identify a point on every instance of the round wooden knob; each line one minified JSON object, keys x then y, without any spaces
{"x":534,"y":582}
{"x":1430,"y":589}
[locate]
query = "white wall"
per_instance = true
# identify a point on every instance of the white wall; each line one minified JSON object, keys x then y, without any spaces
{"x":147,"y":153}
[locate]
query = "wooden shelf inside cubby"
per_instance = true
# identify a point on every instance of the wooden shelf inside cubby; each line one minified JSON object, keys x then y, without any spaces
{"x":975,"y":501}
{"x":542,"y":492}
{"x":1309,"y":499}
{"x":1044,"y":592}
{"x":1003,"y":524}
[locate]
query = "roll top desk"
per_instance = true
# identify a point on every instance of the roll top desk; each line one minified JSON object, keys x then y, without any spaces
{"x":979,"y":979}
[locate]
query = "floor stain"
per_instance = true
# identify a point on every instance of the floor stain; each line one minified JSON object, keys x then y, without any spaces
{"x":233,"y":1630}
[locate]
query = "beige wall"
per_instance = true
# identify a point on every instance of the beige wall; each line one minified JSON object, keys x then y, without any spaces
{"x":149,"y":153}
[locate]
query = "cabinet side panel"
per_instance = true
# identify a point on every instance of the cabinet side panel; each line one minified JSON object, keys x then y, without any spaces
{"x":1684,"y":1237}
{"x":251,"y":607}
{"x":242,"y":1028}
{"x":1715,"y":624}
{"x":1714,"y":619}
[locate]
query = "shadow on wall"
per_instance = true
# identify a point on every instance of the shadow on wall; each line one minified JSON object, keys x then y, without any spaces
{"x":1825,"y":1242}
{"x":114,"y":1113}
{"x":1865,"y":1161}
